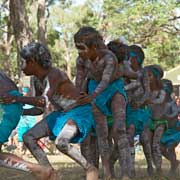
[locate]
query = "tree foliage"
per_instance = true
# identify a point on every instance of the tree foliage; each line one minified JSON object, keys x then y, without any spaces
{"x":155,"y":25}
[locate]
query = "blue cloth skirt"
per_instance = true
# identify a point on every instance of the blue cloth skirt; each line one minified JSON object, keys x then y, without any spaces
{"x":139,"y":117}
{"x":81,"y":115}
{"x":103,"y":100}
{"x":10,"y":115}
{"x":171,"y":136}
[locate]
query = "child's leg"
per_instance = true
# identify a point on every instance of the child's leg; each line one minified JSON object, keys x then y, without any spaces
{"x":102,"y":136}
{"x":94,"y":151}
{"x":118,"y":107}
{"x":89,"y":150}
{"x":170,"y":154}
{"x":156,"y":149}
{"x":113,"y":158}
{"x":145,"y":141}
{"x":14,"y":162}
{"x":130,"y":135}
{"x":31,"y":138}
{"x":69,"y":131}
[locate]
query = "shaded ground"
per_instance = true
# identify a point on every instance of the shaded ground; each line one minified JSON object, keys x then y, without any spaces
{"x":68,"y":170}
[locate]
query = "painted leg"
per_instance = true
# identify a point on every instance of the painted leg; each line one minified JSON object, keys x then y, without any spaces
{"x":103,"y":145}
{"x":130,"y":135}
{"x":113,"y":159}
{"x":94,"y":152}
{"x":31,"y":138}
{"x":89,"y":149}
{"x":170,"y":154}
{"x":144,"y":139}
{"x":62,"y":142}
{"x":14,"y":162}
{"x":118,"y":107}
{"x":156,"y":148}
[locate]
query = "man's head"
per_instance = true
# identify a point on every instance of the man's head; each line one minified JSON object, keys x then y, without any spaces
{"x":119,"y":49}
{"x":155,"y":74}
{"x":87,"y":40}
{"x":167,"y":86}
{"x":136,"y":56}
{"x":35,"y":52}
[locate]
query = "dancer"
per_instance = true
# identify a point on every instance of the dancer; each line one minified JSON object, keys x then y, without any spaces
{"x":171,"y":136}
{"x":156,"y":103}
{"x":71,"y":122}
{"x":98,"y":67}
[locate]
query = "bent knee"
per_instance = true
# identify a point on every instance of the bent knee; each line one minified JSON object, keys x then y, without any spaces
{"x":62,"y":144}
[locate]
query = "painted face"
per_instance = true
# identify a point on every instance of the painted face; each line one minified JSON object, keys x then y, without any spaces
{"x":133,"y":63}
{"x":23,"y":64}
{"x":26,"y":66}
{"x":81,"y":47}
{"x":151,"y":76}
{"x":83,"y":50}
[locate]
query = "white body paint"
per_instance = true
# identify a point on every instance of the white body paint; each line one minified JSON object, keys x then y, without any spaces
{"x":67,"y":132}
{"x":9,"y":163}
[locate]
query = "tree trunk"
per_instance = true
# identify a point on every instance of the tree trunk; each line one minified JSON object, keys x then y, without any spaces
{"x":41,"y":18}
{"x":19,"y":21}
{"x":67,"y":57}
{"x":68,"y":63}
{"x":5,"y":47}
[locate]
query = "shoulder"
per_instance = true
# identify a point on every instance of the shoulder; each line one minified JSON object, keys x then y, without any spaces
{"x":56,"y":74}
{"x":108,"y":56}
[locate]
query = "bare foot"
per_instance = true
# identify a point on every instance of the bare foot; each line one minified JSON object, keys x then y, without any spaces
{"x":54,"y":175}
{"x":92,"y":173}
{"x":125,"y":178}
{"x":174,"y":166}
{"x":150,"y":170}
{"x":46,"y":173}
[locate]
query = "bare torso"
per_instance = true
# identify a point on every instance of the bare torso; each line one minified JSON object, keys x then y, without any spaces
{"x":104,"y":70}
{"x":158,"y":104}
{"x":60,"y":90}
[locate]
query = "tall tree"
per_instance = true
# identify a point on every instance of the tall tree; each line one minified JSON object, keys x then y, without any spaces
{"x":67,"y":18}
{"x":19,"y":21}
{"x":41,"y":18}
{"x":6,"y":38}
{"x":153,"y":24}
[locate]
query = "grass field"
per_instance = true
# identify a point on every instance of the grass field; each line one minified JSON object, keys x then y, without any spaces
{"x":69,"y":170}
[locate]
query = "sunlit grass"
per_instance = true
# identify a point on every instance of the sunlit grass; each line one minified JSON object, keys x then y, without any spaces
{"x":69,"y":170}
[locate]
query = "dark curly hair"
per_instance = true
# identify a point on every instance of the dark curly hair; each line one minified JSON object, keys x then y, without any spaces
{"x":119,"y":49}
{"x":89,"y":36}
{"x":38,"y":52}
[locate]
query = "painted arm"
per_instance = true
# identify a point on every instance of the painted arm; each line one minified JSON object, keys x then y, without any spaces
{"x":160,"y":99}
{"x":33,"y":111}
{"x":107,"y":75}
{"x":172,"y":112}
{"x":145,"y":83}
{"x":132,"y":85}
{"x":81,"y":75}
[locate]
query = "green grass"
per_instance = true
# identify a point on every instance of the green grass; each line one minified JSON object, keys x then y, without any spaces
{"x":69,"y":170}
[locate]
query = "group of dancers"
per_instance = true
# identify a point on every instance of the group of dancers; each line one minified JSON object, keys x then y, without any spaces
{"x":114,"y":98}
